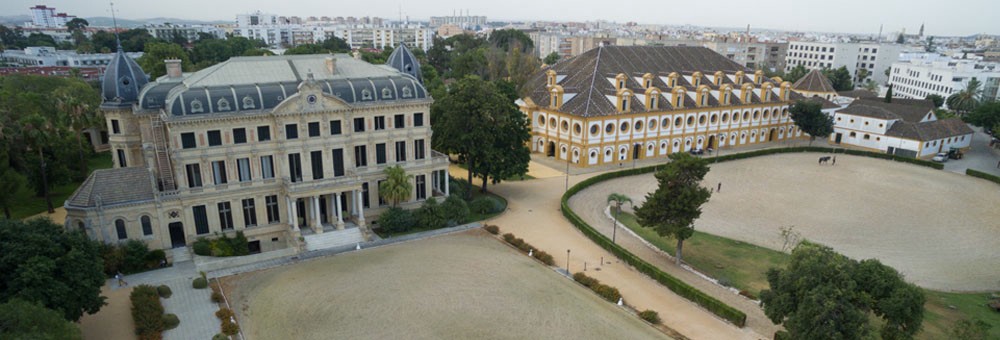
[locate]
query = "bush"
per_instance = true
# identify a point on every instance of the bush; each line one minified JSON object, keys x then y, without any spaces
{"x":585,"y":280}
{"x":155,"y":257}
{"x":454,"y":210}
{"x":430,"y":215}
{"x":202,"y":246}
{"x":544,"y":257}
{"x":983,"y":175}
{"x":199,"y":283}
{"x":524,"y":246}
{"x":509,"y":238}
{"x":224,"y":314}
{"x":222,"y":246}
{"x":230,"y":328}
{"x":134,"y":260}
{"x":113,"y":257}
{"x":220,"y":336}
{"x":607,"y":292}
{"x":170,"y":321}
{"x":485,"y":205}
{"x":782,"y":335}
{"x":457,"y":186}
{"x":396,"y":220}
{"x":747,"y":294}
{"x":164,"y":291}
{"x":650,"y":316}
{"x":147,"y":312}
{"x":217,"y":297}
{"x":492,"y":229}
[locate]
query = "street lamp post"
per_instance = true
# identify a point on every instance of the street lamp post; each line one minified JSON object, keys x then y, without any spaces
{"x":567,"y":171}
{"x":567,"y":261}
{"x":614,"y":227}
{"x":718,"y":146}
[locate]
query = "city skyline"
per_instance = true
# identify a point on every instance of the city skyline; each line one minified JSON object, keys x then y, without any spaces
{"x":954,"y":20}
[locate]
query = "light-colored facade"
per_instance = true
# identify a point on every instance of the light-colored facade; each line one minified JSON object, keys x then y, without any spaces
{"x":470,"y":22}
{"x":49,"y":56}
{"x":43,"y":16}
{"x":924,"y":75}
{"x":665,"y":102}
{"x":906,"y":127}
{"x":383,"y":38}
{"x":285,"y":149}
{"x":873,"y":57}
{"x":753,"y":55}
{"x":189,"y":32}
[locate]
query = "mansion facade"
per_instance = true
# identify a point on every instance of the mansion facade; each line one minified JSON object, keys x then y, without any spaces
{"x":282,"y":148}
{"x":621,"y":103}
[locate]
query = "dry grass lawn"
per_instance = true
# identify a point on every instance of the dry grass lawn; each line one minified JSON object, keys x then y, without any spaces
{"x":461,"y":286}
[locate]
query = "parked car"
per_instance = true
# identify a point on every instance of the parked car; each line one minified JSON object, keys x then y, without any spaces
{"x":940,"y":158}
{"x":697,"y":152}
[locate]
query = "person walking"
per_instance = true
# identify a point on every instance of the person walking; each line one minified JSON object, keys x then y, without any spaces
{"x":834,"y":162}
{"x":720,"y":188}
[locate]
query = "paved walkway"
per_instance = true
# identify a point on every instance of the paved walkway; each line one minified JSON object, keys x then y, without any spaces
{"x":194,"y":307}
{"x":982,"y":157}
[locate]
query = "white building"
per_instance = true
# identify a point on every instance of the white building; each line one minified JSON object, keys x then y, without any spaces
{"x":382,"y":37}
{"x":43,"y":16}
{"x":924,"y":75}
{"x":905,"y":127}
{"x":873,"y":57}
{"x":470,"y":22}
{"x":49,"y":56}
{"x":189,"y":32}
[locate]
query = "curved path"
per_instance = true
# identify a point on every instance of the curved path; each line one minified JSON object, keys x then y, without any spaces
{"x":938,"y":228}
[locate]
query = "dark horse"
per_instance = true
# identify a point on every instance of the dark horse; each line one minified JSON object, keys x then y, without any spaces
{"x":824,"y":159}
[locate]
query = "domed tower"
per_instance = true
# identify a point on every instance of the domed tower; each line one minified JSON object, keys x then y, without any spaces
{"x":404,"y":61}
{"x":123,"y":79}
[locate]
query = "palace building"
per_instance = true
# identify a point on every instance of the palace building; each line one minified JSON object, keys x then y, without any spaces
{"x":290,"y":150}
{"x":620,"y":103}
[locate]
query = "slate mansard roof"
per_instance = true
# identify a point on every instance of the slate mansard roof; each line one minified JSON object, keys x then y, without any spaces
{"x":586,"y":77}
{"x":113,"y":186}
{"x":123,"y":79}
{"x":404,"y":61}
{"x":256,"y":84}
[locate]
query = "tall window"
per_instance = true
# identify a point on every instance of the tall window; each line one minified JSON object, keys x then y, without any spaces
{"x":263,"y":133}
{"x":214,"y":138}
{"x":421,"y":181}
{"x":219,"y":172}
{"x":338,"y":162}
{"x":147,"y":226}
{"x":379,"y":123}
{"x":267,"y":167}
{"x":239,"y":136}
{"x":291,"y":131}
{"x":249,"y":213}
{"x":316,"y":160}
{"x":314,"y":129}
{"x":271,"y":206}
{"x":225,"y":215}
{"x":121,"y":158}
{"x":200,"y":219}
{"x":295,"y":167}
{"x":360,"y":156}
{"x":335,"y":127}
{"x":401,"y":151}
{"x":359,"y":125}
{"x":380,"y":153}
{"x":243,"y":164}
{"x":418,"y":149}
{"x":193,"y":175}
{"x":115,"y":127}
{"x":399,"y":121}
{"x":120,"y":228}
{"x":418,"y":119}
{"x":381,"y":201}
{"x":188,"y":141}
{"x":364,"y":195}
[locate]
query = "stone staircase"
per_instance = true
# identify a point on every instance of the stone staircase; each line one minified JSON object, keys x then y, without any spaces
{"x":335,"y":238}
{"x":181,"y":254}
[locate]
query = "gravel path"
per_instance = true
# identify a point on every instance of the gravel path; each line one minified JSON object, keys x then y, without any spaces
{"x":939,"y":229}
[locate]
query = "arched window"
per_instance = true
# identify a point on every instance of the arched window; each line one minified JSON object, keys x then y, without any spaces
{"x":625,"y":102}
{"x":147,"y":227}
{"x":120,"y":228}
{"x":83,"y":227}
{"x":654,"y":101}
{"x":704,"y":97}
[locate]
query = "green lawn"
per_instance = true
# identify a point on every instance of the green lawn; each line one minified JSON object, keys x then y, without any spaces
{"x":744,"y":265}
{"x":27,"y":204}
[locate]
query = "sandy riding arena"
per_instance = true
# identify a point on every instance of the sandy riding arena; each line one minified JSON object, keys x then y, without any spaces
{"x":940,"y":229}
{"x":461,"y":286}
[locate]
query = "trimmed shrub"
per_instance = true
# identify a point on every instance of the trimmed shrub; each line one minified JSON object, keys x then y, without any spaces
{"x":230,"y":328}
{"x":170,"y":321}
{"x":454,"y":210}
{"x":509,"y":238}
{"x":586,"y":280}
{"x":524,"y":246}
{"x":224,"y":314}
{"x":983,"y":175}
{"x":164,"y":291}
{"x":431,"y":215}
{"x":492,"y":229}
{"x":147,"y":312}
{"x":199,"y":283}
{"x":396,"y":220}
{"x":782,"y":335}
{"x":484,"y":205}
{"x":220,"y":336}
{"x":202,"y":246}
{"x":650,"y":316}
{"x":222,"y":246}
{"x":607,"y":292}
{"x":544,"y":257}
{"x":217,"y":297}
{"x":155,"y":257}
{"x":747,"y":294}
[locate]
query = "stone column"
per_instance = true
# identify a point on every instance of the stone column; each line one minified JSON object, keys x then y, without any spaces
{"x":361,"y":208}
{"x":293,"y":216}
{"x":340,"y":212}
{"x":447,"y":188}
{"x":316,"y":225}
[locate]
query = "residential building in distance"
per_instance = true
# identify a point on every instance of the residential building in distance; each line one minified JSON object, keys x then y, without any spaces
{"x":754,"y":55}
{"x":43,"y":16}
{"x":926,"y":74}
{"x":874,"y":58}
{"x":50,"y":56}
{"x":905,"y":127}
{"x":469,"y":22}
{"x":189,"y":32}
{"x":615,"y":104}
{"x":289,"y":150}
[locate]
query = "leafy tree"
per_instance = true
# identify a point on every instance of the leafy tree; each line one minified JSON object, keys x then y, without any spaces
{"x":376,"y":57}
{"x":40,"y":39}
{"x":11,"y":37}
{"x":20,"y":319}
{"x":888,"y":94}
{"x":38,"y":133}
{"x":825,"y":295}
{"x":156,"y":52}
{"x":337,"y":45}
{"x":840,"y":78}
{"x":76,"y":28}
{"x":871,"y":86}
{"x":971,"y":330}
{"x":78,"y":103}
{"x":552,"y":58}
{"x":796,"y":73}
{"x":396,"y":187}
{"x":967,"y":99}
{"x":306,"y":49}
{"x":45,"y":264}
{"x":809,"y":117}
{"x":936,"y":98}
{"x":454,"y":210}
{"x":10,"y":182}
{"x":862,"y":74}
{"x":431,"y":215}
{"x":676,"y":203}
{"x":477,"y":122}
{"x":396,"y":219}
{"x":986,"y":116}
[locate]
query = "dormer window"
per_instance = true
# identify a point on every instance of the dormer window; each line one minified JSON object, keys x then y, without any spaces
{"x":647,"y":80}
{"x":196,"y":106}
{"x":739,"y":77}
{"x":555,"y":97}
{"x":223,"y":104}
{"x":765,"y":92}
{"x":672,"y":80}
{"x":366,"y":95}
{"x":625,"y":106}
{"x":551,"y":75}
{"x":407,"y":93}
{"x":248,"y":103}
{"x":758,"y":77}
{"x":678,"y":97}
{"x":703,"y":96}
{"x":786,"y":91}
{"x":696,"y":79}
{"x":726,"y":93}
{"x":386,"y":93}
{"x":718,"y":78}
{"x":620,"y":81}
{"x":746,"y":93}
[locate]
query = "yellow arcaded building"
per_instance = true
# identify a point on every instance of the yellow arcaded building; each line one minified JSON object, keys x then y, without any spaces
{"x":614,"y":104}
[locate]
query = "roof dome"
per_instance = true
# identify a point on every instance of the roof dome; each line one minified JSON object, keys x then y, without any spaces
{"x":404,"y":61}
{"x":123,"y":78}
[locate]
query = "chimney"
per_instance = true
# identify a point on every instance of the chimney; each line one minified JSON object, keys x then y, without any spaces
{"x":173,"y":68}
{"x":331,"y":65}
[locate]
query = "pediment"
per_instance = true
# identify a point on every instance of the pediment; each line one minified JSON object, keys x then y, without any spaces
{"x":310,"y":98}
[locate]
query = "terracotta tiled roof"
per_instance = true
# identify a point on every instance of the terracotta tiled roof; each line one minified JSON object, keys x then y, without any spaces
{"x":814,"y":81}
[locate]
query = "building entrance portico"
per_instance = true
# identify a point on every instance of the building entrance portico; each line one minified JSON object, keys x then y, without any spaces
{"x":330,"y":211}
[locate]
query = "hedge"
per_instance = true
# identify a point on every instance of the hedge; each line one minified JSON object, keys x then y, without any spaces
{"x":983,"y":175}
{"x":147,"y":312}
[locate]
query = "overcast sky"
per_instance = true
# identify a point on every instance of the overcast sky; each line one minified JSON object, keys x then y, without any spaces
{"x":953,"y":17}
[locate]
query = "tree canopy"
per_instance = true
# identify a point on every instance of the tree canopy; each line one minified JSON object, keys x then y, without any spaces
{"x":936,"y":98}
{"x":967,"y":99}
{"x":156,"y":52}
{"x":44,"y":264}
{"x":672,"y":209}
{"x":840,"y":78}
{"x":396,"y":187}
{"x":809,"y":117}
{"x":825,"y":295}
{"x":552,"y":58}
{"x":986,"y":116}
{"x":508,"y":38}
{"x":795,"y":74}
{"x":20,"y":319}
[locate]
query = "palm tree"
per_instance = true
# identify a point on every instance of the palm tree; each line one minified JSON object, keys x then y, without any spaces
{"x":77,"y":112}
{"x":396,"y":187}
{"x":618,"y":200}
{"x":36,"y":131}
{"x":967,"y":99}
